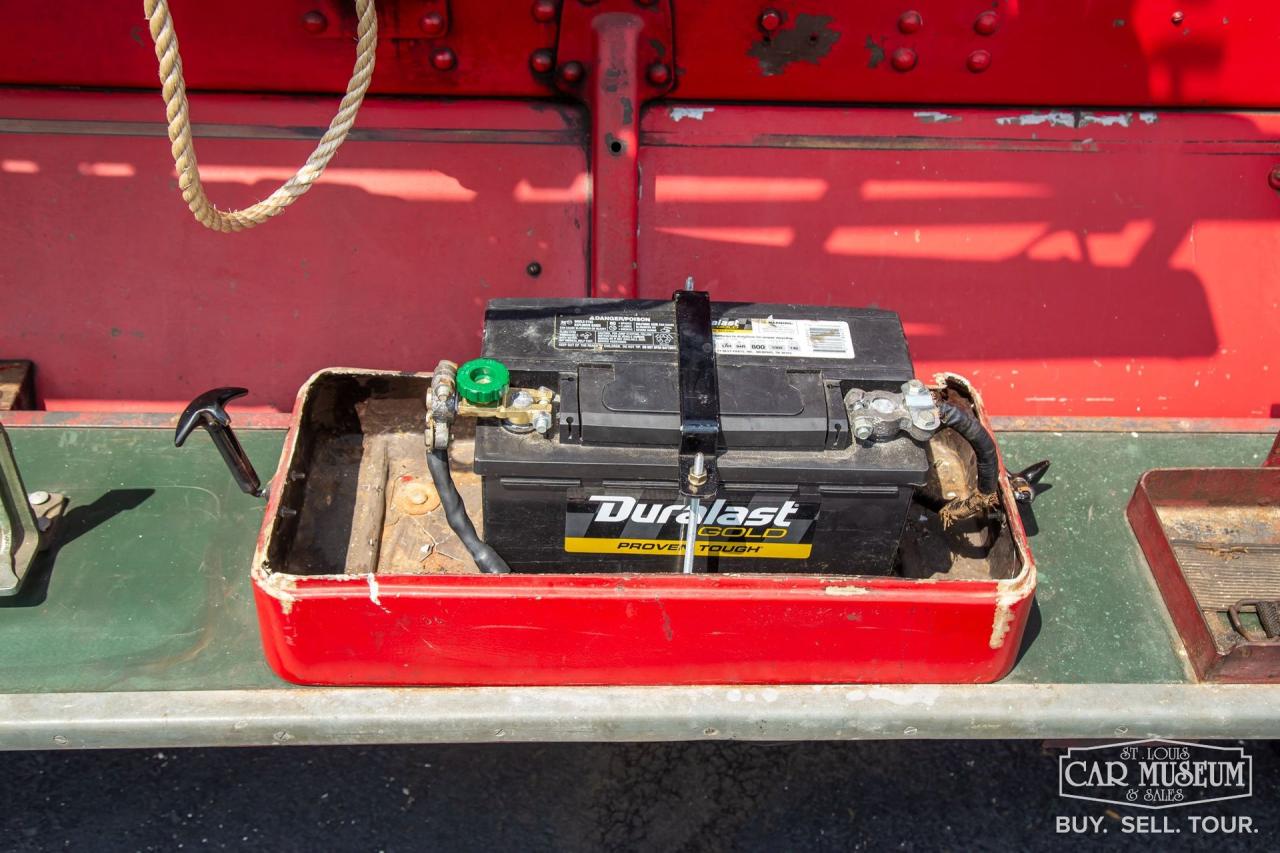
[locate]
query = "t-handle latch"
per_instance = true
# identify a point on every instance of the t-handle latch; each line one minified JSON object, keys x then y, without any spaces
{"x":209,"y":411}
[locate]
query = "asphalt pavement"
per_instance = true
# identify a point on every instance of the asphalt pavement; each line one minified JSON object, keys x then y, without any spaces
{"x":662,"y":797}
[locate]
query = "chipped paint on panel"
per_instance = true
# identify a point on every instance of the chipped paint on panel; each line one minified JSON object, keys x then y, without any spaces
{"x":1120,"y":119}
{"x":695,"y":113}
{"x":809,"y":40}
{"x":1062,"y":118}
{"x":1053,"y":119}
{"x":279,"y":586}
{"x":1002,"y":623}
{"x":846,"y":590}
{"x":935,"y":117}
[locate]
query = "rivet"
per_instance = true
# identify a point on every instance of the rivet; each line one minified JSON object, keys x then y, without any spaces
{"x":315,"y":22}
{"x":432,"y":24}
{"x":1177,"y":18}
{"x":443,"y":59}
{"x":979,"y":61}
{"x":572,"y":72}
{"x":770,"y":20}
{"x":987,"y":23}
{"x":659,"y":74}
{"x":1274,"y":178}
{"x":910,"y":22}
{"x":903,"y":59}
{"x":542,"y":60}
{"x":534,"y":269}
{"x":544,"y":11}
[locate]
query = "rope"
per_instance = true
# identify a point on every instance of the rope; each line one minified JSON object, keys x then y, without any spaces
{"x":183,"y":147}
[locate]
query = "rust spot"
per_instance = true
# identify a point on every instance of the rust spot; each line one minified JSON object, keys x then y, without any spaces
{"x":809,"y":40}
{"x":875,"y":52}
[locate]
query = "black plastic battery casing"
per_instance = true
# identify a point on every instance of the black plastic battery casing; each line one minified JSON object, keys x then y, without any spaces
{"x":599,"y":493}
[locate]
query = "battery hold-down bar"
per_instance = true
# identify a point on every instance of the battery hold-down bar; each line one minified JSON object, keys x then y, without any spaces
{"x":699,"y":408}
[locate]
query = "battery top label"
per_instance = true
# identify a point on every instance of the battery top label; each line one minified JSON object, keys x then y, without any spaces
{"x":758,"y":336}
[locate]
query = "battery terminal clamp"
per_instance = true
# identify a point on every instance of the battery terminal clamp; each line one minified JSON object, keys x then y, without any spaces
{"x":481,"y":388}
{"x":881,"y":415}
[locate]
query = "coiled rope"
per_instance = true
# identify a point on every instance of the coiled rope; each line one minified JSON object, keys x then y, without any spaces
{"x":183,"y":147}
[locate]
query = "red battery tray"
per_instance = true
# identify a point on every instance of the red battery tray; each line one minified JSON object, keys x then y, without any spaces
{"x":356,"y":581}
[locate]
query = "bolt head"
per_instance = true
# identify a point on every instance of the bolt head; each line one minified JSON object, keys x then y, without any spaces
{"x":315,"y":22}
{"x":38,"y":498}
{"x":862,"y":432}
{"x":534,"y":269}
{"x":1177,"y":18}
{"x":544,"y":11}
{"x":659,"y":74}
{"x":986,"y":23}
{"x":903,"y":59}
{"x":770,"y":20}
{"x":444,"y":59}
{"x":572,"y":73}
{"x":432,"y":24}
{"x":542,"y":61}
{"x":924,"y":420}
{"x":521,"y":400}
{"x":1274,"y":178}
{"x":910,"y":22}
{"x":978,"y":61}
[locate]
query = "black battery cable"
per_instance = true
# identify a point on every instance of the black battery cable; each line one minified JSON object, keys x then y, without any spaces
{"x":984,"y":447}
{"x":455,"y":511}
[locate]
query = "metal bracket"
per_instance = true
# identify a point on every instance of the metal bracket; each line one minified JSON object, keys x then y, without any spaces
{"x":26,"y":521}
{"x":615,"y":55}
{"x":1268,"y":617}
{"x":699,"y":394}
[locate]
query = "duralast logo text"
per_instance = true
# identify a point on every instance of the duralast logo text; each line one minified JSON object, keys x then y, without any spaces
{"x":1156,"y":774}
{"x":621,"y":508}
{"x":760,"y":526}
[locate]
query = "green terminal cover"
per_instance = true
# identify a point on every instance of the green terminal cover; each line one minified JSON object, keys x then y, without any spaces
{"x":483,"y":381}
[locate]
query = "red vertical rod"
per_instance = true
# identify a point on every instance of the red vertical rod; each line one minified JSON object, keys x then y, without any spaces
{"x":614,"y":101}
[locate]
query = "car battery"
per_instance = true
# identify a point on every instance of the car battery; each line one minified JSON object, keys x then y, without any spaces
{"x":598,"y":490}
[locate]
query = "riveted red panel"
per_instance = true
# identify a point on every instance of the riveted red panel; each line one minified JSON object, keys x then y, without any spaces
{"x":1124,"y":52}
{"x":124,"y":301}
{"x":1106,"y":262}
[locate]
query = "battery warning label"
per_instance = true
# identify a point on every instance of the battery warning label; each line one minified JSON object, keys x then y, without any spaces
{"x":761,"y":336}
{"x":762,"y":527}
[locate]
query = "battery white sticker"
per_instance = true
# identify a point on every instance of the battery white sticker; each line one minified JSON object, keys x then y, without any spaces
{"x":769,"y":336}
